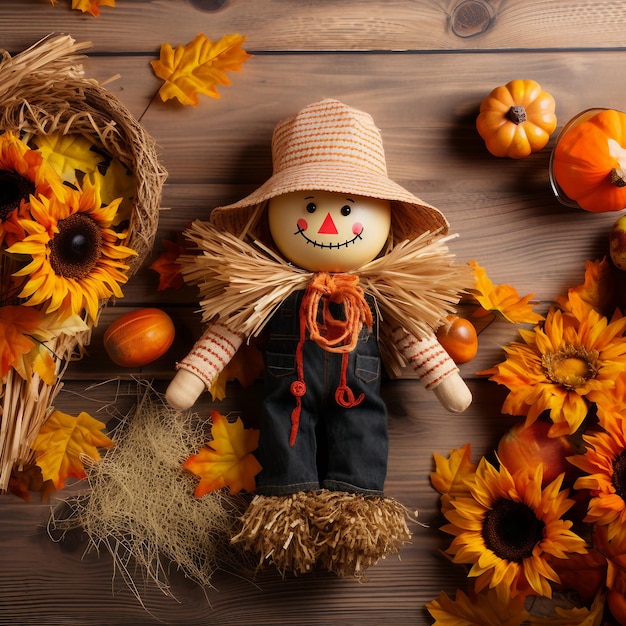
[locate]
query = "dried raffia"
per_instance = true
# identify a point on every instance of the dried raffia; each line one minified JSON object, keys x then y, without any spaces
{"x":140,"y":505}
{"x":344,"y":533}
{"x":43,"y":91}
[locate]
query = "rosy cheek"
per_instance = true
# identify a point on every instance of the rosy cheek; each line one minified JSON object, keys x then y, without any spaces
{"x":302,"y":225}
{"x":357,"y":228}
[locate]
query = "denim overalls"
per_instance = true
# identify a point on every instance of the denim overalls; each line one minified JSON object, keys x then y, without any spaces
{"x":335,"y":448}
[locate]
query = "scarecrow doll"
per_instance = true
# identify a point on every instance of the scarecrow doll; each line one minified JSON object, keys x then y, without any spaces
{"x":341,"y":270}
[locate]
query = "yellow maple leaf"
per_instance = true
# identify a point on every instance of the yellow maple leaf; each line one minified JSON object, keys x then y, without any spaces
{"x":61,"y":442}
{"x":198,"y":67}
{"x":91,"y":6}
{"x":450,"y":472}
{"x":67,"y":154}
{"x":116,"y":181}
{"x":227,"y":461}
{"x":45,"y":365}
{"x":503,"y":299}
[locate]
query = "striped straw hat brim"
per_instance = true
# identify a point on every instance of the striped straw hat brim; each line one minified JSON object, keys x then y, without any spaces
{"x":329,"y":146}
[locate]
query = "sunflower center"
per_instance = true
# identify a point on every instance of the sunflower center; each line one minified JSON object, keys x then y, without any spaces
{"x":619,"y":474}
{"x":511,"y":530}
{"x":571,"y":366}
{"x":76,"y":248}
{"x":13,"y":189}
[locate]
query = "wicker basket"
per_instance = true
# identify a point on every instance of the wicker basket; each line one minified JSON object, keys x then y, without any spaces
{"x":43,"y":91}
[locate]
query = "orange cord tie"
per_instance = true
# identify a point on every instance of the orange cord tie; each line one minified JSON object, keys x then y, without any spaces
{"x":335,"y":335}
{"x":331,"y":334}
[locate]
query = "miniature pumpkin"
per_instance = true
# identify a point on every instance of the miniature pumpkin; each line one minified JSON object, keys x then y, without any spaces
{"x":516,"y":119}
{"x":139,"y":337}
{"x":589,"y":162}
{"x":458,"y":338}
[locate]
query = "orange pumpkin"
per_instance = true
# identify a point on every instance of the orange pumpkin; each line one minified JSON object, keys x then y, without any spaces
{"x":589,"y":161}
{"x":516,"y":119}
{"x":458,"y":338}
{"x":139,"y":337}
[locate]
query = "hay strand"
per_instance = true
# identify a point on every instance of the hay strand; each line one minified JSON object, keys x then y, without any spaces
{"x":140,"y":506}
{"x":345,"y":533}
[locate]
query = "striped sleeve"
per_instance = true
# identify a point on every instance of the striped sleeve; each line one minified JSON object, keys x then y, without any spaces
{"x":426,"y":356}
{"x":211,"y":353}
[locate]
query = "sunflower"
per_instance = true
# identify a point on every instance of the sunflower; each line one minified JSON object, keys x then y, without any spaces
{"x":604,"y":463}
{"x":563,"y":365}
{"x":508,"y":527}
{"x":483,"y":608}
{"x":23,"y":173}
{"x":76,"y":258}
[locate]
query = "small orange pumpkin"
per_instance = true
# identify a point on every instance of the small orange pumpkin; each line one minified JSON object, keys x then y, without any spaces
{"x":458,"y":338}
{"x":139,"y":337}
{"x":589,"y":162}
{"x":516,"y":119}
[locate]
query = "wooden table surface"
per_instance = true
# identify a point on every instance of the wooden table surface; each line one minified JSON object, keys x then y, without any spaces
{"x":421,"y":68}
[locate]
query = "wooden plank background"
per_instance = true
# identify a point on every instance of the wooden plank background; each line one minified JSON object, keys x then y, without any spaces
{"x":421,"y":68}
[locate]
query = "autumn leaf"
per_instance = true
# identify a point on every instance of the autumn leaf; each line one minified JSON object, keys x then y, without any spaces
{"x":575,"y":616}
{"x":88,"y":6}
{"x":168,"y":267}
{"x":16,"y":324}
{"x":227,"y":461}
{"x":116,"y":181}
{"x":198,"y":67}
{"x":61,"y":442}
{"x":503,"y":299}
{"x":67,"y":154}
{"x":452,"y":475}
{"x":246,"y":366}
{"x":91,"y":6}
{"x":45,"y":365}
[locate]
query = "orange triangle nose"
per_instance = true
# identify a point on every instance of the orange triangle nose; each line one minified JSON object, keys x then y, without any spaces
{"x":328,"y":226}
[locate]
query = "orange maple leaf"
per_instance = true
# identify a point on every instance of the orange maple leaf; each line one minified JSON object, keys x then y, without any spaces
{"x":246,"y":366}
{"x":227,"y":461}
{"x":61,"y":442}
{"x":198,"y":67}
{"x":16,"y":323}
{"x":91,"y":6}
{"x":503,"y":299}
{"x":167,"y":266}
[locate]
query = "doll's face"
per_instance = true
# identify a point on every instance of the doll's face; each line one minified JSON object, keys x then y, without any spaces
{"x":323,"y":231}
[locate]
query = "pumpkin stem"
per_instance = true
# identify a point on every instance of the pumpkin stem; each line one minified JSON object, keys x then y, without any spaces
{"x":618,"y":177}
{"x":517,"y":114}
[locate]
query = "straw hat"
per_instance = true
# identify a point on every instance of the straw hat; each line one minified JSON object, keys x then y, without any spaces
{"x":329,"y":146}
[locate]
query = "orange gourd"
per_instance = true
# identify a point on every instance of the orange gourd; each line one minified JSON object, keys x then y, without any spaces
{"x":589,"y":162}
{"x":139,"y":337}
{"x":458,"y":338}
{"x":516,"y":119}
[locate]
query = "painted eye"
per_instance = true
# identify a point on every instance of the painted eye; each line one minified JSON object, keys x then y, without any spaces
{"x":346,"y":210}
{"x":311,"y":207}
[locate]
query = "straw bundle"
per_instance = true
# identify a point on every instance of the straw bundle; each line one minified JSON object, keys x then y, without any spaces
{"x":43,"y":92}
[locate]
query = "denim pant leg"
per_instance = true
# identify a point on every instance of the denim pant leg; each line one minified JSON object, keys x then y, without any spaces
{"x":286,"y":468}
{"x":356,"y":437}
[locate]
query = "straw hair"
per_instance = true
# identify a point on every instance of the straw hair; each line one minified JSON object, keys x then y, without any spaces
{"x":329,"y":146}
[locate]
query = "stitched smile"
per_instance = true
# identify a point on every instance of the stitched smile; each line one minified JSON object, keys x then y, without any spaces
{"x":317,"y":244}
